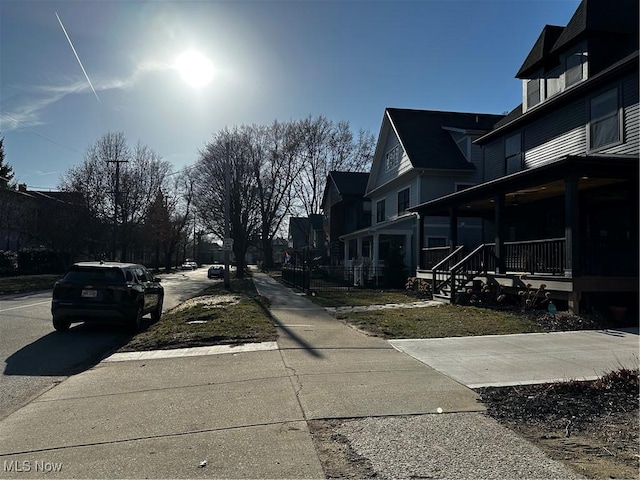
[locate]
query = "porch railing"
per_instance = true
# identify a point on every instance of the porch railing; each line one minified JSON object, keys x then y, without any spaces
{"x":535,"y":256}
{"x":546,"y":257}
{"x":432,"y":256}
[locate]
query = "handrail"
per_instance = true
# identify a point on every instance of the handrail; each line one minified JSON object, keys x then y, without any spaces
{"x":465,"y":261}
{"x":478,"y":249}
{"x":441,"y":266}
{"x":448,"y":257}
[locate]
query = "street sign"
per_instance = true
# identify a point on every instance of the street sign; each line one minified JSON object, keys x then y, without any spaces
{"x":227,"y":244}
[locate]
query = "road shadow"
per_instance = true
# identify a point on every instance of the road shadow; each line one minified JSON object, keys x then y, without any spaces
{"x":70,"y":352}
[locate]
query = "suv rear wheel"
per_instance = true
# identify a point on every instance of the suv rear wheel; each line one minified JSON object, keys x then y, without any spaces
{"x":60,"y":324}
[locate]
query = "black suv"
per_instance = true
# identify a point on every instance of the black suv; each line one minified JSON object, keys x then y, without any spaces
{"x":106,"y":290}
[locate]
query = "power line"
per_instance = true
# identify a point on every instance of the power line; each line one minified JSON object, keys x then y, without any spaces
{"x":20,"y":124}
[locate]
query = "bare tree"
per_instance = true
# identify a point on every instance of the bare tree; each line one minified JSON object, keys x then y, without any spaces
{"x":276,"y":166}
{"x":230,"y":148}
{"x":119,"y":185}
{"x":168,"y":217}
{"x":327,"y":146}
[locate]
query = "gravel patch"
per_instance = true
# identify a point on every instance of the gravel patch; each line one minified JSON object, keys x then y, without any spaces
{"x":448,"y":446}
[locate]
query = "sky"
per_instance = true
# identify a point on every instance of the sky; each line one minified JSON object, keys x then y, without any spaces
{"x":72,"y":71}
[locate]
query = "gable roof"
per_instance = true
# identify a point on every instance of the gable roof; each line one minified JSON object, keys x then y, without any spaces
{"x":424,"y":138}
{"x":350,"y":183}
{"x":618,"y":17}
{"x":540,"y":50}
{"x":347,"y":184}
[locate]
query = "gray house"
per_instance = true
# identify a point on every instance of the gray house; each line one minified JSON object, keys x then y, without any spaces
{"x":420,"y":155}
{"x":559,"y":191}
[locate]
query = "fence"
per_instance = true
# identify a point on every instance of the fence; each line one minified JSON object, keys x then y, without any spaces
{"x":328,"y":278}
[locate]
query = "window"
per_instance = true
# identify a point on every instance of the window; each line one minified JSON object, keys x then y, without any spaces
{"x":403,"y":201}
{"x":574,"y":71}
{"x":380,"y":214}
{"x":393,"y":156}
{"x":554,"y":86}
{"x":604,"y":127}
{"x":513,"y":153}
{"x":533,"y":92}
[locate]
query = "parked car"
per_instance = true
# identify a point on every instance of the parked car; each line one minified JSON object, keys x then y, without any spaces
{"x":189,"y":266}
{"x":123,"y":292}
{"x":215,"y":271}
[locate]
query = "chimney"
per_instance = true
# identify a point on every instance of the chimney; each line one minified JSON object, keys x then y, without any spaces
{"x":22,"y":187}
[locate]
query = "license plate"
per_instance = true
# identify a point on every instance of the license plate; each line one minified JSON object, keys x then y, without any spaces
{"x":89,"y":293}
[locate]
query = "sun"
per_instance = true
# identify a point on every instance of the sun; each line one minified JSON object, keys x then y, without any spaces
{"x":195,"y":68}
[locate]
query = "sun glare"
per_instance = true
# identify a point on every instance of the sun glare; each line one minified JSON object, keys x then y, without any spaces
{"x":195,"y":68}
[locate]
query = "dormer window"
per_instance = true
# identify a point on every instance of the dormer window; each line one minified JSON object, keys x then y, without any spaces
{"x":393,"y":156}
{"x":575,"y":71}
{"x":533,"y":92}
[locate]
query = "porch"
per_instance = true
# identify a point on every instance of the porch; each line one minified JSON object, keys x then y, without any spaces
{"x":527,"y":264}
{"x":571,"y":225}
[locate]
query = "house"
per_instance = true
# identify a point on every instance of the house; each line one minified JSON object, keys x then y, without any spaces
{"x":298,"y":233}
{"x":559,"y":193}
{"x":306,"y":238}
{"x":30,"y":226}
{"x":420,"y":155}
{"x":345,"y":210}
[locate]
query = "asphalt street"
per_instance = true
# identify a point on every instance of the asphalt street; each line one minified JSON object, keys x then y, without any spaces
{"x":35,"y":357}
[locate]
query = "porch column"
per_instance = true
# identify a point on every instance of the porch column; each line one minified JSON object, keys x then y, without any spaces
{"x":453,"y":228}
{"x":500,"y":234}
{"x":571,"y":226}
{"x":420,"y":241}
{"x":376,"y":250}
{"x":408,"y":253}
{"x":359,"y":247}
{"x":346,"y":252}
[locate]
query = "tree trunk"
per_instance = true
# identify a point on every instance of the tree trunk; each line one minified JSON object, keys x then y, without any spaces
{"x":267,"y":250}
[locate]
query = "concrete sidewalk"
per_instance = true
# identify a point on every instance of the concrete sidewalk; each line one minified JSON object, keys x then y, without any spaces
{"x":245,"y":412}
{"x":502,"y":360}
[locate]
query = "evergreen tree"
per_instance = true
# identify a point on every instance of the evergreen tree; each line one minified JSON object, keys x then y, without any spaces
{"x":6,"y":171}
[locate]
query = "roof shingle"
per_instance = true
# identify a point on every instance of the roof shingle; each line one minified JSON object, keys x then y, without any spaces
{"x":425,"y":141}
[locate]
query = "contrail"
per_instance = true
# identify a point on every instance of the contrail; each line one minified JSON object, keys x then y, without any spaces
{"x":77,"y":58}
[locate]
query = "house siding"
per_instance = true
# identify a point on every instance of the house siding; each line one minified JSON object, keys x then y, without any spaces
{"x":494,"y":160}
{"x":385,"y":176}
{"x":553,"y":136}
{"x":564,"y":132}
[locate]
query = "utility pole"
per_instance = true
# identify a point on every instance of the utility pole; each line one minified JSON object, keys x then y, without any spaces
{"x":116,"y":202}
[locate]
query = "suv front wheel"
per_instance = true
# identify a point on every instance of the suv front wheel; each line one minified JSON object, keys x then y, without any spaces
{"x":135,"y":324}
{"x":157,"y":312}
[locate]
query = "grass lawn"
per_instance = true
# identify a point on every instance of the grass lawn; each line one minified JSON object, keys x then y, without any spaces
{"x":439,"y":321}
{"x":27,"y":283}
{"x":429,"y":322}
{"x":361,"y":297}
{"x":217,"y":316}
